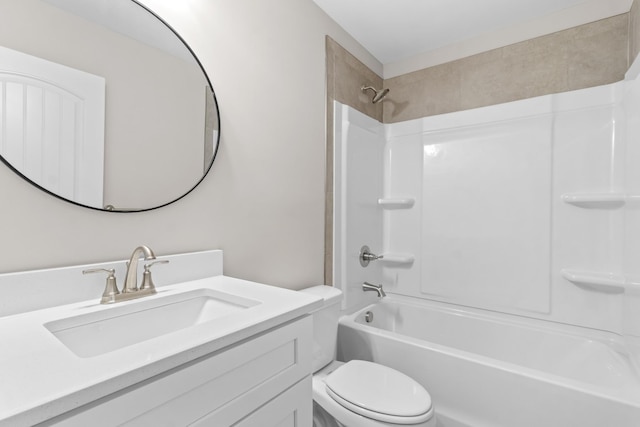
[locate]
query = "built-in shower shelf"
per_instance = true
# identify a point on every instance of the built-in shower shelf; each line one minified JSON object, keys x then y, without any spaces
{"x":397,"y":258}
{"x":397,"y":203}
{"x":599,"y":200}
{"x":609,"y":283}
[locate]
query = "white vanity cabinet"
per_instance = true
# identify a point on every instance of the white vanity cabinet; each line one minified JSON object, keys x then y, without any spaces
{"x":263,"y":381}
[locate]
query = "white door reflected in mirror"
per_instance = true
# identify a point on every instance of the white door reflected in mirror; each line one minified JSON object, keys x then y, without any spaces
{"x":52,"y":129}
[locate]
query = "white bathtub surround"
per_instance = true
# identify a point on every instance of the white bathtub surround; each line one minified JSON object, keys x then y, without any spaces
{"x":496,"y":208}
{"x":46,"y":371}
{"x":358,"y":184}
{"x":494,"y":370}
{"x":527,"y":212}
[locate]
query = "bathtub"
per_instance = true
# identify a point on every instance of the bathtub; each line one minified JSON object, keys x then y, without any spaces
{"x":494,"y":370}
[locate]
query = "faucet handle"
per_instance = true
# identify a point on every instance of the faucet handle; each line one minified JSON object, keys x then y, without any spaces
{"x":111,"y":287}
{"x":147,"y":282}
{"x":366,"y":256}
{"x":98,"y":270}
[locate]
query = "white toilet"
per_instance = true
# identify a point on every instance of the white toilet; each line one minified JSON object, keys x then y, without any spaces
{"x":359,"y":393}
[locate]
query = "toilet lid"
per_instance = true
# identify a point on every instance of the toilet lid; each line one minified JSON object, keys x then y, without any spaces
{"x":377,"y":391}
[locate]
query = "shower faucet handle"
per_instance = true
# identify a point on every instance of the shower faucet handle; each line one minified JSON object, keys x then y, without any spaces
{"x":366,"y":256}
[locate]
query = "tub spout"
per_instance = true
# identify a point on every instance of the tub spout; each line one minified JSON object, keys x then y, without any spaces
{"x":366,"y":286}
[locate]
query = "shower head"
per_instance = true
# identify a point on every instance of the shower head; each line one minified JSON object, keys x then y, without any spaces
{"x":377,"y":95}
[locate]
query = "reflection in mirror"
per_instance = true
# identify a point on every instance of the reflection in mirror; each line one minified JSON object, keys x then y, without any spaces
{"x":102,"y":104}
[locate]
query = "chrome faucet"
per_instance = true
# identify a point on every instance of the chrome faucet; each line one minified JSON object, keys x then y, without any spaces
{"x":130,"y":289}
{"x":131,"y":279}
{"x":366,"y":286}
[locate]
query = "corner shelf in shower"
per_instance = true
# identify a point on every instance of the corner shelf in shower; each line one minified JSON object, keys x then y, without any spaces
{"x":397,"y":203}
{"x":609,"y":283}
{"x":599,"y":200}
{"x":398,"y":258}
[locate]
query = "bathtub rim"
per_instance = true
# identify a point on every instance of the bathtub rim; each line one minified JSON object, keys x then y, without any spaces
{"x":613,"y":339}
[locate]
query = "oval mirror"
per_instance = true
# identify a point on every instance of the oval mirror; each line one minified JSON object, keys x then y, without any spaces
{"x":102,"y":104}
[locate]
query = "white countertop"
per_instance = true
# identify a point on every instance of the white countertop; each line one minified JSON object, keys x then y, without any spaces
{"x":41,"y":378}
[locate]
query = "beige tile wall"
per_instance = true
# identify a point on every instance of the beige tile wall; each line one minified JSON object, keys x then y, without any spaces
{"x":588,"y":55}
{"x":345,"y":77}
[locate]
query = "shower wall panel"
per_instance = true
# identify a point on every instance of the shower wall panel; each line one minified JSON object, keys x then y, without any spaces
{"x":486,"y":215}
{"x":492,"y":226}
{"x":359,"y":148}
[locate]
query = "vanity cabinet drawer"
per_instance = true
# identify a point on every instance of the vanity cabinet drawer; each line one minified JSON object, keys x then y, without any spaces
{"x":216,"y":390}
{"x":293,"y":408}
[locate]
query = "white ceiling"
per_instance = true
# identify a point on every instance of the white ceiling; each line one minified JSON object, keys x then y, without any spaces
{"x":394,"y":30}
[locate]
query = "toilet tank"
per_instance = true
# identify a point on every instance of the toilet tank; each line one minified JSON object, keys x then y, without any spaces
{"x":325,"y":325}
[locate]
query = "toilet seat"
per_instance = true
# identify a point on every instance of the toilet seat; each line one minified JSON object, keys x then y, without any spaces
{"x":379,"y":392}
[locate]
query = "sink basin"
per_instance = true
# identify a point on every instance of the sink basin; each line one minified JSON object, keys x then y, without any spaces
{"x":119,"y":326}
